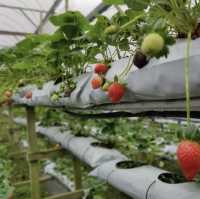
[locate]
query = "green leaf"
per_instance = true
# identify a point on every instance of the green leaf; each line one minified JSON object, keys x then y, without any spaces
{"x":113,"y":2}
{"x":137,"y":5}
{"x":70,"y":18}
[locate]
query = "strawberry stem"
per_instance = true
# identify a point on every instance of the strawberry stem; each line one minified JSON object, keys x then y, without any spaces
{"x":186,"y":71}
{"x":126,"y":69}
{"x":126,"y":25}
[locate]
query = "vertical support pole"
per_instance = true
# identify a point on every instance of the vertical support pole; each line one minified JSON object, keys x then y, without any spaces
{"x":66,"y":5}
{"x":33,"y":165}
{"x":77,"y":174}
{"x":10,"y":129}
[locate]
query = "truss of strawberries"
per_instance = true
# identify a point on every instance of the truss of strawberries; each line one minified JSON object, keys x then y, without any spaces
{"x":115,"y":89}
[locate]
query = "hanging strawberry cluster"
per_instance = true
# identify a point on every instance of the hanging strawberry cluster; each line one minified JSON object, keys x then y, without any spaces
{"x":115,"y":90}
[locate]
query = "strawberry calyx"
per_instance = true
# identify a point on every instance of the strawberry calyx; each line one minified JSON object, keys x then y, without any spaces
{"x":191,"y":133}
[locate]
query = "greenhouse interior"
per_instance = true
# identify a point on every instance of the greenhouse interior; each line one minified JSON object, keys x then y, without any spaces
{"x":100,"y":99}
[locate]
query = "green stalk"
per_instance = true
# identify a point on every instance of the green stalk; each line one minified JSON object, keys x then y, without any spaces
{"x":186,"y":71}
{"x":126,"y":25}
{"x":126,"y":69}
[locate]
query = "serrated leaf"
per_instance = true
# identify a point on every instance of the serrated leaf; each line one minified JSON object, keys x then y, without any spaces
{"x":137,"y":5}
{"x":70,"y":18}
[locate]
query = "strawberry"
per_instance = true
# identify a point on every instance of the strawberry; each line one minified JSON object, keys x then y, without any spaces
{"x":140,"y":59}
{"x":96,"y":82}
{"x":101,"y":68}
{"x":8,"y":94}
{"x":188,"y":154}
{"x":152,"y":44}
{"x":116,"y":92}
{"x":112,"y":29}
{"x":28,"y":95}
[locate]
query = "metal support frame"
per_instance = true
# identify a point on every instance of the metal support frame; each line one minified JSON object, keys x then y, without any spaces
{"x":49,"y":13}
{"x":22,"y":8}
{"x":98,"y":10}
{"x":28,"y":18}
{"x":66,"y":5}
{"x":14,"y":33}
{"x":33,"y":165}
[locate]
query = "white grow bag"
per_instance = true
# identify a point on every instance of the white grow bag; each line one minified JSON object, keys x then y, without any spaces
{"x":162,"y":190}
{"x":81,"y":147}
{"x":94,"y":156}
{"x":134,"y":182}
{"x":42,"y":96}
{"x":21,"y":121}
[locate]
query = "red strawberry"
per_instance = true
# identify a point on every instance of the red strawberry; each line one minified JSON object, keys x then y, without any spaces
{"x":97,"y":82}
{"x":116,"y":92}
{"x":188,"y":154}
{"x":28,"y":95}
{"x":101,"y":68}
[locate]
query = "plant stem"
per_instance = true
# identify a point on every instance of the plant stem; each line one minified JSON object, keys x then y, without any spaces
{"x":127,"y":69}
{"x":126,"y":25}
{"x":186,"y":71}
{"x":118,"y":53}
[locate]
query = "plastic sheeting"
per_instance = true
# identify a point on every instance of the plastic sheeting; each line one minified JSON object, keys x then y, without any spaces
{"x":81,"y":147}
{"x":134,"y":182}
{"x":144,"y":183}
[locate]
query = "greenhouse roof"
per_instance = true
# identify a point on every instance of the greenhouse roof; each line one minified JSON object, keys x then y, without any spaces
{"x":21,"y":17}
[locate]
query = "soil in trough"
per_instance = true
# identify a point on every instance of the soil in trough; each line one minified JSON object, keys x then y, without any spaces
{"x":171,"y":178}
{"x":128,"y":164}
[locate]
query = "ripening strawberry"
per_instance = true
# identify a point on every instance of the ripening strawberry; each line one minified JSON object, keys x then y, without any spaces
{"x":188,"y":154}
{"x":116,"y":92}
{"x":97,"y":82}
{"x":153,"y":44}
{"x":8,"y":94}
{"x":101,"y":68}
{"x":28,"y":95}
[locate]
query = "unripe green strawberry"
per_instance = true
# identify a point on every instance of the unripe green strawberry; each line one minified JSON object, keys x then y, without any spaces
{"x":188,"y":154}
{"x":112,"y":29}
{"x":152,"y":44}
